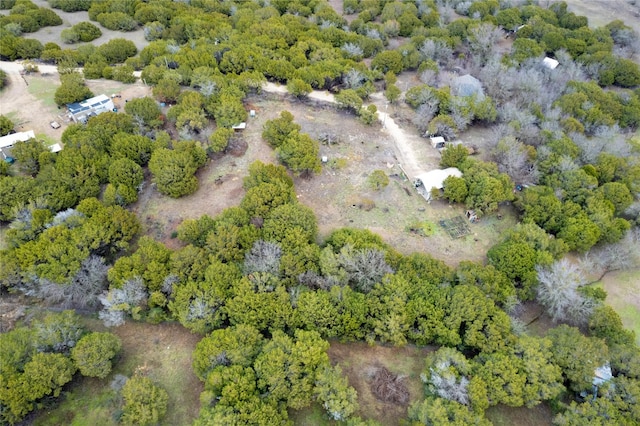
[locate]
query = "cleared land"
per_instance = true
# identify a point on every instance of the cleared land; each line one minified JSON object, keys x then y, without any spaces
{"x":161,"y":352}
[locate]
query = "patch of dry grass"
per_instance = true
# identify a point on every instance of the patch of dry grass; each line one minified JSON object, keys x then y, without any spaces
{"x":161,"y":352}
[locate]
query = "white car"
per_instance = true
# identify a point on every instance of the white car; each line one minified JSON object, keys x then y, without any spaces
{"x":55,"y":124}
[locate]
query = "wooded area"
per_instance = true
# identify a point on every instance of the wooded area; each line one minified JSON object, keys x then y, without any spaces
{"x":260,"y":286}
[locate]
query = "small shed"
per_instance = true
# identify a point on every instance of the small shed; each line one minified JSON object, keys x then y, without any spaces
{"x":602,"y":375}
{"x":426,"y":181}
{"x":437,"y":142}
{"x":80,"y":112}
{"x":550,"y":63}
{"x":467,"y":85}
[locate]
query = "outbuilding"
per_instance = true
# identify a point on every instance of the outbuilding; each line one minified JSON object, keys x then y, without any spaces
{"x":550,"y":63}
{"x":426,"y":181}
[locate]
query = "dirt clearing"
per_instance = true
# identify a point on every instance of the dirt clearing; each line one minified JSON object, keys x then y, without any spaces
{"x":359,"y":363}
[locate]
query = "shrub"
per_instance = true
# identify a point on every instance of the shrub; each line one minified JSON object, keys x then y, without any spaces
{"x":144,"y":402}
{"x":117,"y":21}
{"x":87,"y":31}
{"x":378,"y":179}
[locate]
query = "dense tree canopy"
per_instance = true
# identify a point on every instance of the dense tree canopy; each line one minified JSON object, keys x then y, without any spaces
{"x":257,"y":280}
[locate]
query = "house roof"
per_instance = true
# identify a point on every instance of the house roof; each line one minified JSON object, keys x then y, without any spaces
{"x":435,"y":178}
{"x":88,"y":104}
{"x":8,"y":140}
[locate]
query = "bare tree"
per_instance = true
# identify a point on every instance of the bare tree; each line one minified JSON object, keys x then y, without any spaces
{"x":558,"y":293}
{"x":423,"y":116}
{"x":118,"y":302}
{"x":482,"y":40}
{"x":436,"y":50}
{"x":264,"y":256}
{"x":352,"y":49}
{"x":353,"y":79}
{"x":461,"y":112}
{"x":624,"y":254}
{"x":365,"y":268}
{"x":446,"y":375}
{"x":429,"y":77}
{"x":83,"y":290}
{"x":512,"y":157}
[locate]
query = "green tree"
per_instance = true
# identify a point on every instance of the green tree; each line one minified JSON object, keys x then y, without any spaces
{"x":388,"y":60}
{"x":378,"y":179}
{"x":300,"y":153}
{"x":338,"y":398}
{"x":46,"y":374}
{"x":229,"y":111}
{"x":237,"y":345}
{"x":199,"y":306}
{"x":133,"y":147}
{"x":117,"y":50}
{"x":487,"y":187}
{"x":6,"y":125}
{"x":276,"y":131}
{"x":220,"y":138}
{"x":299,"y":88}
{"x":173,"y":170}
{"x":349,"y":99}
{"x":439,"y":411}
{"x":72,"y":89}
{"x":86,"y":31}
{"x":166,"y":90}
{"x":28,"y":154}
{"x":144,"y":110}
{"x":455,"y":189}
{"x":491,"y":281}
{"x":286,"y":369}
{"x":125,"y":172}
{"x":578,"y":356}
{"x":94,"y":352}
{"x":144,"y":402}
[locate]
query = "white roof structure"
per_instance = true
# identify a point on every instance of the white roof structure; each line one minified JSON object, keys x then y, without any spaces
{"x":56,"y":147}
{"x":10,"y":140}
{"x":602,"y":374}
{"x":550,"y":63}
{"x":437,"y":141}
{"x":435,"y":178}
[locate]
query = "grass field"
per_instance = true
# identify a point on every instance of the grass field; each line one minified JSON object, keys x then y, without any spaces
{"x":623,"y":295}
{"x":44,"y":89}
{"x":161,"y":352}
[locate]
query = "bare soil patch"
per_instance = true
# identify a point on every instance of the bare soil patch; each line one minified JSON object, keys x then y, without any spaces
{"x":360,"y":363}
